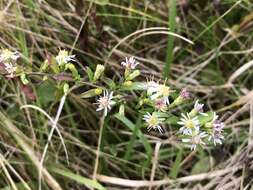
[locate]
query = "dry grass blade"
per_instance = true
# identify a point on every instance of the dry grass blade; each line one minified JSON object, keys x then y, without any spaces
{"x":26,"y":186}
{"x":239,"y":71}
{"x":51,"y":121}
{"x":155,"y":160}
{"x":7,"y":174}
{"x":19,"y":137}
{"x":144,"y":183}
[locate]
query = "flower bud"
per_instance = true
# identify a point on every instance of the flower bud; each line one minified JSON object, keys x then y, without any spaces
{"x":98,"y":91}
{"x":184,"y":95}
{"x":128,"y":83}
{"x":98,"y":72}
{"x":122,"y":109}
{"x":91,"y":93}
{"x":66,"y":88}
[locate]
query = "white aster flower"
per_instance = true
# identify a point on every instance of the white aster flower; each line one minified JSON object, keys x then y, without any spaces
{"x":105,"y":102}
{"x":195,"y":139}
{"x":63,"y":57}
{"x":153,"y":121}
{"x":189,"y":125}
{"x":216,"y":137}
{"x":10,"y":69}
{"x":7,"y":55}
{"x":151,"y":87}
{"x":130,"y":63}
{"x":216,"y":130}
{"x":162,"y":91}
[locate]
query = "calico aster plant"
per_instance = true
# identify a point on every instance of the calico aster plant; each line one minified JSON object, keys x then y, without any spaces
{"x":159,"y":104}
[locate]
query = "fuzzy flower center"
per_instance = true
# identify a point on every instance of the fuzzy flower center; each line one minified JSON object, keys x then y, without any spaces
{"x":164,"y":90}
{"x":104,"y":101}
{"x":6,"y":54}
{"x":190,"y":124}
{"x":63,"y":53}
{"x":153,"y":120}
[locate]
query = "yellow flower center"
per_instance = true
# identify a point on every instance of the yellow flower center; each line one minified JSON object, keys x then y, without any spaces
{"x":153,"y":120}
{"x":63,"y":53}
{"x":164,"y":90}
{"x":190,"y":124}
{"x":6,"y":54}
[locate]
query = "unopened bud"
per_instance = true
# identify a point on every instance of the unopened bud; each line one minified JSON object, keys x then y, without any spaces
{"x":122,"y":110}
{"x":98,"y":72}
{"x":98,"y":91}
{"x":128,"y":83}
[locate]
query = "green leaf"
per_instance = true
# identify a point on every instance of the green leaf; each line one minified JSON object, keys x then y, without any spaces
{"x":134,"y":86}
{"x":170,"y":46}
{"x":176,"y":165}
{"x":46,"y":92}
{"x":90,"y":74}
{"x":79,"y":179}
{"x":102,"y":2}
{"x":204,"y":119}
{"x":202,"y":166}
{"x":110,"y":83}
{"x":89,"y":93}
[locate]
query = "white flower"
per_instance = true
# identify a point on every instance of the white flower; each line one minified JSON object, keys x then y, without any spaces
{"x":195,"y":139}
{"x":216,"y":130}
{"x":130,"y":63}
{"x":217,"y":137}
{"x":63,"y":57}
{"x":153,"y":121}
{"x":162,"y":91}
{"x":105,"y":102}
{"x":151,"y":87}
{"x":189,"y":124}
{"x":10,"y":69}
{"x":7,"y":55}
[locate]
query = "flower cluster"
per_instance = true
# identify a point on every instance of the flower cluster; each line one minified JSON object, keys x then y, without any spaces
{"x":158,"y":102}
{"x":8,"y":60}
